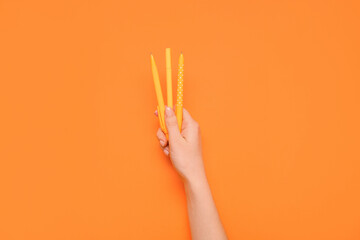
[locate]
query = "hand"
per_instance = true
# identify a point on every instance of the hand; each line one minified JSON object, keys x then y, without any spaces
{"x":184,"y":148}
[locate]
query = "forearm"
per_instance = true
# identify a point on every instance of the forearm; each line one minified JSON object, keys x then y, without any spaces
{"x":203,"y":216}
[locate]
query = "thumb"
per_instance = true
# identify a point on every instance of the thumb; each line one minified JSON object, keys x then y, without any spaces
{"x":171,"y":124}
{"x":187,"y":119}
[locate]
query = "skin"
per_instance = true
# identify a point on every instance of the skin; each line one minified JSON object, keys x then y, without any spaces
{"x":184,"y":150}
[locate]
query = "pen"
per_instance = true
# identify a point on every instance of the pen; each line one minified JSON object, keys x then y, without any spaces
{"x":159,"y":96}
{"x":168,"y":78}
{"x":180,"y":89}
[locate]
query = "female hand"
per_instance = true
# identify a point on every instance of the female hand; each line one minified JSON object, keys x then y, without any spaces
{"x":184,"y":148}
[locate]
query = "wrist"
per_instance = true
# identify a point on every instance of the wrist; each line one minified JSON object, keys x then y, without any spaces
{"x":195,"y":180}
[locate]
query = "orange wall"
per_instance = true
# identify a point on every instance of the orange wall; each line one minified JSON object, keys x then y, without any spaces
{"x":273,"y":84}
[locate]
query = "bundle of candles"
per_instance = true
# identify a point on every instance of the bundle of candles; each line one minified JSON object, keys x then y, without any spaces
{"x":159,"y":96}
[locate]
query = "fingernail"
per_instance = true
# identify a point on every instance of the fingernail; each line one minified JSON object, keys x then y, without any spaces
{"x":162,"y":142}
{"x":168,"y":112}
{"x":166,"y":152}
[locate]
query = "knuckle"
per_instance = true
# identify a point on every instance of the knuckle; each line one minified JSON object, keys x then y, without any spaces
{"x":159,"y":133}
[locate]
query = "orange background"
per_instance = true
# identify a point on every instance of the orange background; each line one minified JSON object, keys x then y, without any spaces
{"x":273,"y":84}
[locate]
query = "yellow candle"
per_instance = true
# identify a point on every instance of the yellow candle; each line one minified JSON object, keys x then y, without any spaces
{"x":159,"y":96}
{"x":168,"y":77}
{"x":180,"y":89}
